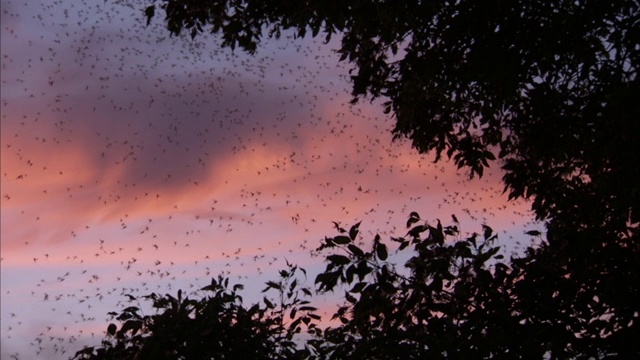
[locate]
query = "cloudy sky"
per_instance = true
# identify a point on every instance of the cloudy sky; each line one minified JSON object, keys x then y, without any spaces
{"x":134,"y":162}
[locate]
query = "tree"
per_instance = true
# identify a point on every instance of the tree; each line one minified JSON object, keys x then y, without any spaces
{"x":456,"y":298}
{"x":214,"y":326}
{"x":548,"y":87}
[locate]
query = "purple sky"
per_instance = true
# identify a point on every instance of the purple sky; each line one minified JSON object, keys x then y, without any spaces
{"x":133,"y":162}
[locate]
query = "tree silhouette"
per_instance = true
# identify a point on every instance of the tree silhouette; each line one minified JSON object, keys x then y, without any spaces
{"x":455,"y":297}
{"x":214,"y":326}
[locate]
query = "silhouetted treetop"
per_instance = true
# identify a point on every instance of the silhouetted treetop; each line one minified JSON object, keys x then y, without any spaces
{"x":456,"y":296}
{"x":549,"y":87}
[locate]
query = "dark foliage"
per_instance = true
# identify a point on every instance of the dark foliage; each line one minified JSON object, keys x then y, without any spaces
{"x":215,"y":326}
{"x":457,"y":298}
{"x":453,"y":298}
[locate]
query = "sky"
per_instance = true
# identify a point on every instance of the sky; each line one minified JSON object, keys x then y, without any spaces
{"x":135,"y":162}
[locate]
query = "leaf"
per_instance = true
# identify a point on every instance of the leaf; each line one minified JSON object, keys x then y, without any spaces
{"x":149,"y":12}
{"x":489,"y":155}
{"x":388,"y":287}
{"x":493,"y":251}
{"x":254,"y":309}
{"x":358,"y":287}
{"x":111,"y":329}
{"x":338,"y":259}
{"x":133,"y":325}
{"x":397,"y":239}
{"x":328,"y":243}
{"x":131,"y":309}
{"x":268,"y":303}
{"x":320,"y":278}
{"x":308,"y":308}
{"x":341,"y":240}
{"x":349,"y":273}
{"x":314,"y":30}
{"x":417,"y":230}
{"x":450,"y":230}
{"x":487,"y":231}
{"x":381,"y":251}
{"x":295,"y":323}
{"x":353,"y":232}
{"x":362,"y":270}
{"x":327,"y":280}
{"x":482,"y":258}
{"x":355,"y":250}
{"x":274,"y":285}
{"x":350,"y":298}
{"x":436,"y":234}
{"x":472,"y":239}
{"x":413,"y":219}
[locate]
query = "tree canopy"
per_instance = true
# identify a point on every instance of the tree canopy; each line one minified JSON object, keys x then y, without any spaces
{"x":455,"y":297}
{"x":214,"y":325}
